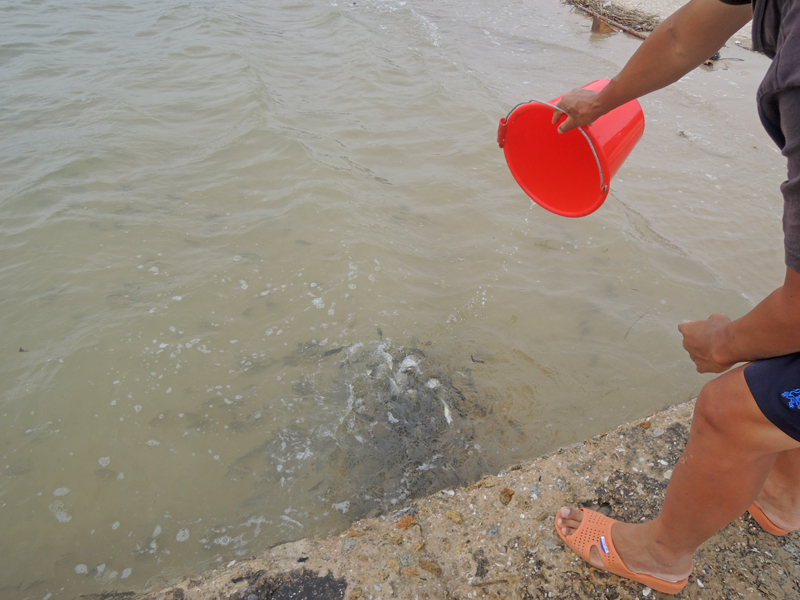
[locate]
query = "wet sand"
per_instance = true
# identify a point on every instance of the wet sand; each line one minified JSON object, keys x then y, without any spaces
{"x":496,"y":538}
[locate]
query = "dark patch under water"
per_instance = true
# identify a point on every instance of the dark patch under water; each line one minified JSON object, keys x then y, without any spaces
{"x":383,"y":424}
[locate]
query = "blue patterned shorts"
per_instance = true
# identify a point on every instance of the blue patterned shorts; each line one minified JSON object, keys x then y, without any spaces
{"x":775,"y":384}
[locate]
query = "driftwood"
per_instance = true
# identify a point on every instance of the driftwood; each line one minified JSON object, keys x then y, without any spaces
{"x":633,"y":22}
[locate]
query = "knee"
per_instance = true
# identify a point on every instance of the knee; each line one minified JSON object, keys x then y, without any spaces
{"x":715,"y":410}
{"x":725,"y":406}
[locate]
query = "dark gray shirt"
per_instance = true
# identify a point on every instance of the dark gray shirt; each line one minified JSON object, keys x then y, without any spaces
{"x":776,"y":33}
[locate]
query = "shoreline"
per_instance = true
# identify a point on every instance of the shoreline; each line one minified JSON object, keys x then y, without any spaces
{"x":496,"y":537}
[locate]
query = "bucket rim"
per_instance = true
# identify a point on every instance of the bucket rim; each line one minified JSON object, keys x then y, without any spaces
{"x":602,"y":168}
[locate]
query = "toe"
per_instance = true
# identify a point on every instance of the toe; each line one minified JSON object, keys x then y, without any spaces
{"x":568,"y":519}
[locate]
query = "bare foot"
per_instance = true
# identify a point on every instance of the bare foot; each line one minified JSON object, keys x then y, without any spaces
{"x":639,"y":551}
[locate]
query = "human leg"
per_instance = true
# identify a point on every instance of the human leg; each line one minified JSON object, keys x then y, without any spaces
{"x":731,"y":450}
{"x":779,"y":498}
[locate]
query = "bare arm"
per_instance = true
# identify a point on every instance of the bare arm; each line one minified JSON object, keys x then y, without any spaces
{"x":771,"y":329}
{"x":679,"y":44}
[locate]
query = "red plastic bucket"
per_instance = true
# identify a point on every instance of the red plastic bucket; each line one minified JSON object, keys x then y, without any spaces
{"x":568,"y":173}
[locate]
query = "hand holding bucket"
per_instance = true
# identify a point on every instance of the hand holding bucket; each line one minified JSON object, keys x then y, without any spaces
{"x":568,"y":173}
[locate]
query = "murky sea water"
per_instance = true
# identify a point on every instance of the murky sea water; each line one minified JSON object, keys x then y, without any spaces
{"x":228,"y":229}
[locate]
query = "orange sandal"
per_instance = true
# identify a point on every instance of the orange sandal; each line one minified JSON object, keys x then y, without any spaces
{"x":763,"y":520}
{"x":595,"y":530}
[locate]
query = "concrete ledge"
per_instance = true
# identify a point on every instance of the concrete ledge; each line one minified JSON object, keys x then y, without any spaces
{"x":496,"y":538}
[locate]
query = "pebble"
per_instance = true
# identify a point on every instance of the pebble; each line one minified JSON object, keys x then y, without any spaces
{"x":394,"y":537}
{"x":405,"y":522}
{"x":431,"y":565}
{"x":455,"y":517}
{"x":348,"y":545}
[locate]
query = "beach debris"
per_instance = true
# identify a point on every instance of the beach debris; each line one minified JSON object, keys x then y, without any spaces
{"x":406,"y":521}
{"x":356,"y":533}
{"x":394,"y":538}
{"x":631,"y":21}
{"x":506,"y":495}
{"x":600,"y":26}
{"x":455,"y":517}
{"x":430,"y":565}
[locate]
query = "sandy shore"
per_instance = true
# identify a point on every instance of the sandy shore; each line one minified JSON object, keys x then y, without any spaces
{"x":496,"y":538}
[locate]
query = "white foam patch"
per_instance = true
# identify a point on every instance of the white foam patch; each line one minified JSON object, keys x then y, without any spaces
{"x":57,"y":510}
{"x":61,"y":492}
{"x":182,"y":535}
{"x":81,"y":569}
{"x":126,"y":573}
{"x":103,"y":462}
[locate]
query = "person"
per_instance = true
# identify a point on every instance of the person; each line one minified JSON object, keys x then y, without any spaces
{"x":743,"y":451}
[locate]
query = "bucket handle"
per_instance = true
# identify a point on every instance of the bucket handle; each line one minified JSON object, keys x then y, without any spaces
{"x":603,"y":186}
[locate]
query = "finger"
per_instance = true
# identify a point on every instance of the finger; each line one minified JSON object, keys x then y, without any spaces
{"x":558,"y":114}
{"x":682,"y":325}
{"x":567,"y":125}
